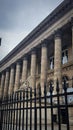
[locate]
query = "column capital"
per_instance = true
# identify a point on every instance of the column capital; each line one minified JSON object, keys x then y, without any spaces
{"x":18,"y":61}
{"x":44,"y":43}
{"x":25,"y":57}
{"x":3,"y":72}
{"x":13,"y":65}
{"x":33,"y":50}
{"x":7,"y":69}
{"x":57,"y":33}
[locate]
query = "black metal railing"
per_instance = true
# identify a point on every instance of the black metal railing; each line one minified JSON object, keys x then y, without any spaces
{"x":29,"y":110}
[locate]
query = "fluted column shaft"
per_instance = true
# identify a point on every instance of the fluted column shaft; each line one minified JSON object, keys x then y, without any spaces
{"x":24,"y":69}
{"x":33,"y":69}
{"x":57,"y":61}
{"x":11,"y":83}
{"x":43,"y":65}
{"x":17,"y":77}
{"x":6,"y":86}
{"x":2,"y":85}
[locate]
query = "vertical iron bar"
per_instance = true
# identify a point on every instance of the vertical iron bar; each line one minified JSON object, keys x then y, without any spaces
{"x":2,"y":108}
{"x":8,"y":116}
{"x":6,"y":113}
{"x":35,"y":111}
{"x":40,"y":124}
{"x":19,"y":110}
{"x":4,"y":117}
{"x":16,"y":112}
{"x":72,"y":81}
{"x":30,"y":108}
{"x":45,"y":103}
{"x":27,"y":109}
{"x":66,"y":103}
{"x":51,"y":103}
{"x":5,"y":107}
{"x":58,"y":103}
{"x":11,"y":113}
{"x":1,"y":114}
{"x":23,"y":110}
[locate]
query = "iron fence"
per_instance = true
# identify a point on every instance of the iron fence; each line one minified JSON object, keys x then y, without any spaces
{"x":29,"y":110}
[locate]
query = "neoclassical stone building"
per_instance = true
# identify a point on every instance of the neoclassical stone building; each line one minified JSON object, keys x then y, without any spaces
{"x":45,"y":54}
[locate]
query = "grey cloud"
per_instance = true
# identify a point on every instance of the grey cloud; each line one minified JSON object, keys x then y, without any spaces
{"x":17,"y":16}
{"x":21,"y":13}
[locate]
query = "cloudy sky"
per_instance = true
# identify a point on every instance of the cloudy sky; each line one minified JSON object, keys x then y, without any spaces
{"x":19,"y":17}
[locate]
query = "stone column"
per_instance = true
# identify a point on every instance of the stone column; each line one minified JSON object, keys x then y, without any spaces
{"x":2,"y":85}
{"x":24,"y":69}
{"x":72,"y":37}
{"x":17,"y":77}
{"x":33,"y":68}
{"x":11,"y":83}
{"x":6,"y":86}
{"x":44,"y":61}
{"x":57,"y":60}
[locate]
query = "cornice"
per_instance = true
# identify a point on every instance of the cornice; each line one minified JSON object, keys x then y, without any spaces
{"x":60,"y":11}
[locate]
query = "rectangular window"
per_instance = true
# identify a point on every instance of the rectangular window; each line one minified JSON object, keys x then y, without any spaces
{"x":65,"y":56}
{"x":51,"y":62}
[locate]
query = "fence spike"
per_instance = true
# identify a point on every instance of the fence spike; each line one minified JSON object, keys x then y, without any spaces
{"x":45,"y":89}
{"x":35,"y":92}
{"x":30,"y":92}
{"x":65,"y":85}
{"x":26,"y":93}
{"x":57,"y":85}
{"x":72,"y":81}
{"x":39,"y":90}
{"x":51,"y":88}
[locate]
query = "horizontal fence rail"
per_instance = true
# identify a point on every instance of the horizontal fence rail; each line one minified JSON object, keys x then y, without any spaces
{"x":29,"y":109}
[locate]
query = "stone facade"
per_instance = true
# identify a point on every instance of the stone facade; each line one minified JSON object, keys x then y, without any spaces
{"x":44,"y":55}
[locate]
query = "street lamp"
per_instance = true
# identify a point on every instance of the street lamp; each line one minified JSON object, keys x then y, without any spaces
{"x":0,"y":41}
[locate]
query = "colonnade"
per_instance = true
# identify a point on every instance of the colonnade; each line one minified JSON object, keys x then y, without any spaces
{"x":8,"y":85}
